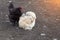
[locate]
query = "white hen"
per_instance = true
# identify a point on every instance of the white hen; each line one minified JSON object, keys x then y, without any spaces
{"x":27,"y":21}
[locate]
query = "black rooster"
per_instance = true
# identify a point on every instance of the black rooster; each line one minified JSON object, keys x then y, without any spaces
{"x":14,"y":13}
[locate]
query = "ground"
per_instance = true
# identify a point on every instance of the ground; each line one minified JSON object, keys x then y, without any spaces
{"x":47,"y":23}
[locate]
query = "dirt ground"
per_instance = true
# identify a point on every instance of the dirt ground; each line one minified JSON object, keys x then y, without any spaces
{"x":47,"y":24}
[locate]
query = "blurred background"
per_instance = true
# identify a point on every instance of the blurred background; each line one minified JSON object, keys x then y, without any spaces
{"x":47,"y":23}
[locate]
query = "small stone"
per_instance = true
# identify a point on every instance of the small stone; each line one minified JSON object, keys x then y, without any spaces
{"x":45,"y":26}
{"x":43,"y":34}
{"x":6,"y":15}
{"x":12,"y":38}
{"x":10,"y":1}
{"x":29,"y":2}
{"x":57,"y":19}
{"x":54,"y":39}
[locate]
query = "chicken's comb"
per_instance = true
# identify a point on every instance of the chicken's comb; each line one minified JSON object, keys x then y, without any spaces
{"x":20,"y":7}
